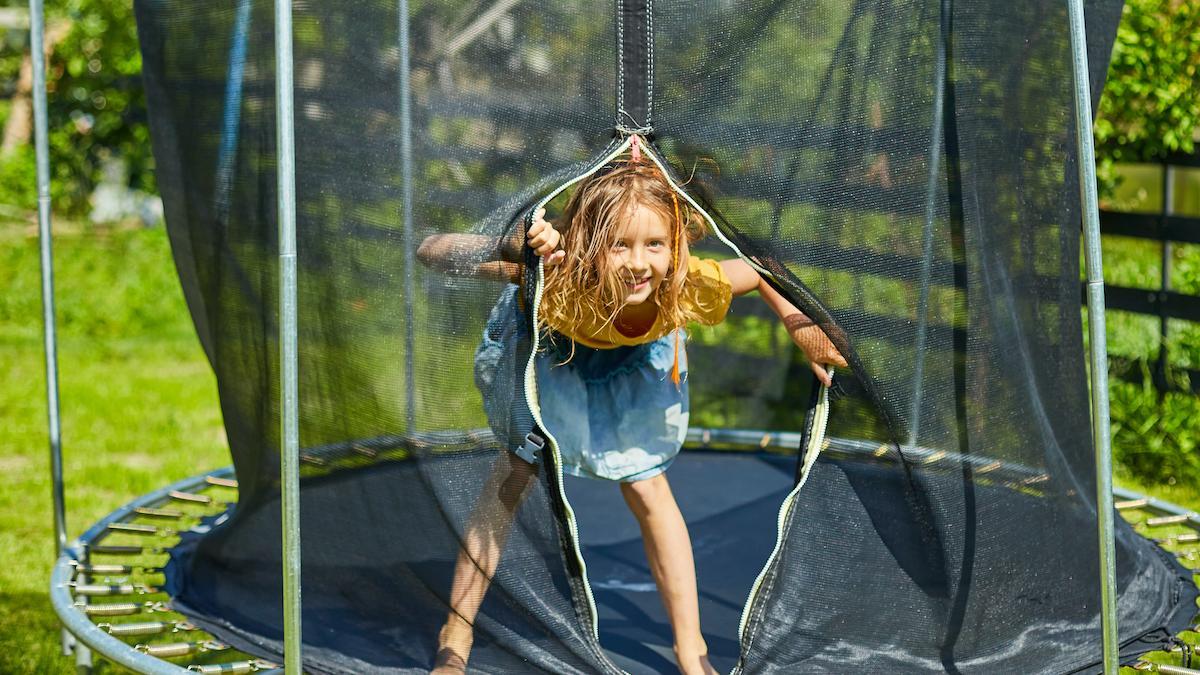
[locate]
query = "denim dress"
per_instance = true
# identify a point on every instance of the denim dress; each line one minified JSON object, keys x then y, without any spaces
{"x":615,"y":413}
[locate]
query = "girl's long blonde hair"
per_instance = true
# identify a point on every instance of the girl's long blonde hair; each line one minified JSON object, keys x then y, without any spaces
{"x":583,"y":283}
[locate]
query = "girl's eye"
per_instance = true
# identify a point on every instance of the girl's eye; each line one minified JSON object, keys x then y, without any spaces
{"x":618,"y":246}
{"x":658,"y":243}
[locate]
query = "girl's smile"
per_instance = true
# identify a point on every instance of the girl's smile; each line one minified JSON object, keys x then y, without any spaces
{"x":641,"y":254}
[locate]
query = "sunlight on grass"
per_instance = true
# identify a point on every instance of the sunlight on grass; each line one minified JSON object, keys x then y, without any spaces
{"x":139,"y":409}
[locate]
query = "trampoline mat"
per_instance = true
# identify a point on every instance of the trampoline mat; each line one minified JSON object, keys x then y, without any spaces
{"x":731,"y":503}
{"x":732,"y":532}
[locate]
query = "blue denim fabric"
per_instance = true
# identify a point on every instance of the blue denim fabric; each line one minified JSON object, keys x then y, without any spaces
{"x":615,"y":413}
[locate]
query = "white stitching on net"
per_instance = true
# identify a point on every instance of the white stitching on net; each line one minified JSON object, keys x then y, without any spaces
{"x":621,"y":56}
{"x":650,"y":64}
{"x":625,"y":130}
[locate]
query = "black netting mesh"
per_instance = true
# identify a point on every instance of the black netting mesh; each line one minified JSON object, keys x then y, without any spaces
{"x":905,"y":170}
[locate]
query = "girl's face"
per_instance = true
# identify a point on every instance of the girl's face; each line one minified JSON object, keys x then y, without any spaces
{"x":640,"y":254}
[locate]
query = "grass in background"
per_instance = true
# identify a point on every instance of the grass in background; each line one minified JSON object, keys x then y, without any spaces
{"x":139,"y":408}
{"x":1156,"y":435}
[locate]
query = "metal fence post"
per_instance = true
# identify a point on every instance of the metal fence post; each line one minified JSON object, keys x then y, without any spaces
{"x":1168,"y":210}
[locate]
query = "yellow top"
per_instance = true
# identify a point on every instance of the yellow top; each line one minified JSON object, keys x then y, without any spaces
{"x":706,"y":296}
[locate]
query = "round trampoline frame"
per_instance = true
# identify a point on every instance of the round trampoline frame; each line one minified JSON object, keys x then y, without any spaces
{"x":71,"y":570}
{"x":76,"y":576}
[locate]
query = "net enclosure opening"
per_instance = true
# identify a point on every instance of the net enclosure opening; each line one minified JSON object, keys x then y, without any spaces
{"x":905,"y":173}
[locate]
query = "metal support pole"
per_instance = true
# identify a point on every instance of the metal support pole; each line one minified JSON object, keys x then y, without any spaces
{"x":37,"y":52}
{"x":1098,"y":347}
{"x":935,"y":159}
{"x":288,"y":365}
{"x":410,"y":269}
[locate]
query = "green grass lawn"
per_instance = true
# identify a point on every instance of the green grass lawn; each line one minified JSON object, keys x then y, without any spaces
{"x":139,"y":409}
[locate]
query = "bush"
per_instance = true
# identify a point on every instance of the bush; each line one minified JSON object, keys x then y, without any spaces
{"x":1151,"y":103}
{"x":96,"y":108}
{"x":1155,"y":436}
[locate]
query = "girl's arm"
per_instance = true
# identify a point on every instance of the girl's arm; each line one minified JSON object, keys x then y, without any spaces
{"x":479,"y":255}
{"x":472,"y":255}
{"x":804,"y":332}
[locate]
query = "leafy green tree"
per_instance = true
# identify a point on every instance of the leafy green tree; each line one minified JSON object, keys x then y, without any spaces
{"x":96,"y":106}
{"x":1151,"y":102}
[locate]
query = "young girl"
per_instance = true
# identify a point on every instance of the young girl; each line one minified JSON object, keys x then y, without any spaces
{"x":620,"y":285}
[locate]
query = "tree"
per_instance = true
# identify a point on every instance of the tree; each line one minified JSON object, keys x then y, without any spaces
{"x":96,"y":107}
{"x":1151,"y":102}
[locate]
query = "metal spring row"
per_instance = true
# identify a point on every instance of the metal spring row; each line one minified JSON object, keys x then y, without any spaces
{"x":1185,"y":652}
{"x":125,"y":587}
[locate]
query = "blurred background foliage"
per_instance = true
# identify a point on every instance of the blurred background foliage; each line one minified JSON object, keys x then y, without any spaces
{"x":96,"y":103}
{"x":1151,"y":102}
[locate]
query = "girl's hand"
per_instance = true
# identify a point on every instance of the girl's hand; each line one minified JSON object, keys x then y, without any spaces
{"x":544,"y":239}
{"x":816,"y":346}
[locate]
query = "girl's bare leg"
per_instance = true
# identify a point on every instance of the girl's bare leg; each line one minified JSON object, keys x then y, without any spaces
{"x":483,"y":544}
{"x":669,"y":551}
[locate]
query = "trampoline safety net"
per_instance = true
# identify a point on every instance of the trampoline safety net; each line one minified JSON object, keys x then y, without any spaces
{"x":904,"y":170}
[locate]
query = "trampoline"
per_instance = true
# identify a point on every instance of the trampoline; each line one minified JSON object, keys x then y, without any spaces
{"x":117,"y":606}
{"x":909,"y":175}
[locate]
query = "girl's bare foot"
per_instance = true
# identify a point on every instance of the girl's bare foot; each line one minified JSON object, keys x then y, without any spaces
{"x":694,"y":661}
{"x":454,"y":648}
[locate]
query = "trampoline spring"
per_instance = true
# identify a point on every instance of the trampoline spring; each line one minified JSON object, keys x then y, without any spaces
{"x":114,"y":570}
{"x":988,"y":468}
{"x":1131,"y":504}
{"x":1184,"y":538}
{"x":95,"y":590}
{"x":233,"y":667}
{"x":166,"y":514}
{"x":217,"y":481}
{"x":181,"y":496}
{"x":1168,"y":520}
{"x":123,"y":608}
{"x":764,"y":441}
{"x":1034,"y":480}
{"x":108,"y":549}
{"x":146,"y":628}
{"x":216,"y":668}
{"x":882,"y":451}
{"x":172,"y":649}
{"x":90,"y":570}
{"x":934,"y":457}
{"x":1176,"y":670}
{"x":113,"y":609}
{"x":313,"y":459}
{"x":136,"y":528}
{"x":364,"y":450}
{"x":706,"y":436}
